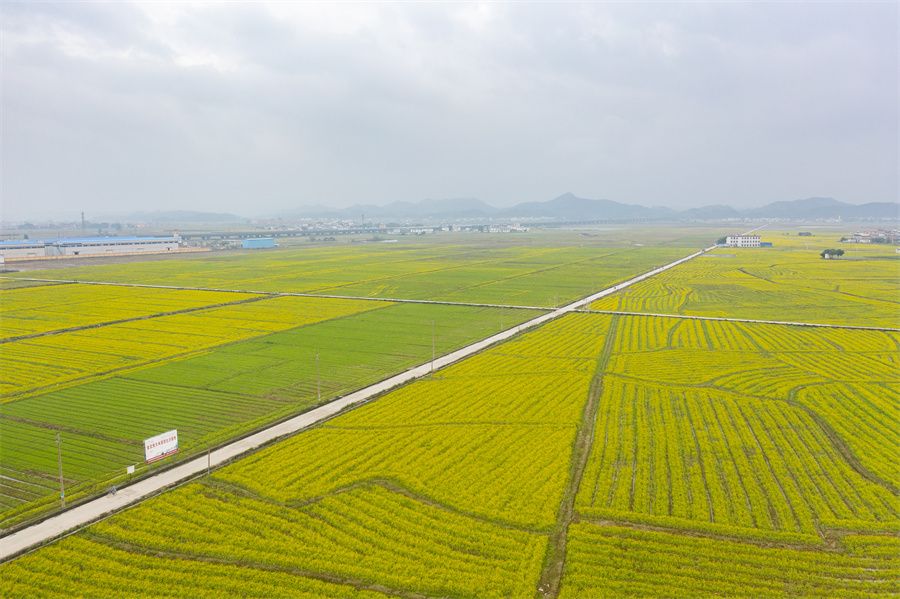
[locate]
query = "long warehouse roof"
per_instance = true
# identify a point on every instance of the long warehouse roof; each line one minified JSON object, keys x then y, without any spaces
{"x":72,"y":240}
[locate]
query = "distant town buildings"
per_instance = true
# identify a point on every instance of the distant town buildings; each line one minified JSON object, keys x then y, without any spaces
{"x":742,"y":241}
{"x":890,"y":237}
{"x":35,"y":249}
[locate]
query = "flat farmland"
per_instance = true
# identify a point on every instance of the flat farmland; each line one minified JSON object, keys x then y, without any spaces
{"x":585,"y":458}
{"x":446,"y":487}
{"x":626,"y":562}
{"x":732,"y":427}
{"x":490,"y":273}
{"x":790,"y":283}
{"x":9,"y":283}
{"x":33,"y":309}
{"x":68,"y":357}
{"x":220,"y":392}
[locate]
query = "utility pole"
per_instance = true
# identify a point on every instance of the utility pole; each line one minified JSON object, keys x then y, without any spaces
{"x":62,"y":484}
{"x":432,"y":347}
{"x":318,"y":380}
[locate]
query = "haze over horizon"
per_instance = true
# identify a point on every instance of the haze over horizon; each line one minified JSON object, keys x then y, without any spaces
{"x":261,"y":108}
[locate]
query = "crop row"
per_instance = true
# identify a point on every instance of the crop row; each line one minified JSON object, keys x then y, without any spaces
{"x":865,"y":417}
{"x":82,"y":567}
{"x":624,"y":562}
{"x":219,"y":394}
{"x":754,"y":359}
{"x":455,"y":438}
{"x":368,"y":533}
{"x":45,"y":308}
{"x":37,"y":363}
{"x":444,"y":487}
{"x":643,"y":334}
{"x":771,"y":284}
{"x":450,"y":486}
{"x":490,"y":273}
{"x":716,"y":457}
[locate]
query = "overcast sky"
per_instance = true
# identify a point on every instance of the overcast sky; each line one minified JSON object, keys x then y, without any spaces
{"x":256,"y":108}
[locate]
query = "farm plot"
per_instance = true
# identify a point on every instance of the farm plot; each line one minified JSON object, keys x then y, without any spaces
{"x":722,"y":426}
{"x":538,"y":277}
{"x":613,"y":561}
{"x":444,"y":487}
{"x":10,"y":283}
{"x":218,"y":394}
{"x":711,"y":460}
{"x":695,"y":484}
{"x":43,"y":308}
{"x":865,"y":416}
{"x":85,"y":567}
{"x":36,"y":364}
{"x":488,"y":273}
{"x":790,"y":284}
{"x":457,"y":438}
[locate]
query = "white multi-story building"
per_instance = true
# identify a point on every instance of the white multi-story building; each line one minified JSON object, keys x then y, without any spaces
{"x":742,"y":241}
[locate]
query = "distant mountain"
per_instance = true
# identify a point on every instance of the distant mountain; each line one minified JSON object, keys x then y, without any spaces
{"x":569,"y":207}
{"x":877,"y":210}
{"x":815,"y":208}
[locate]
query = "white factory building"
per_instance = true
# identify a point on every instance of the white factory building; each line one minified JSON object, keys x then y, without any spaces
{"x":742,"y":241}
{"x":34,"y":249}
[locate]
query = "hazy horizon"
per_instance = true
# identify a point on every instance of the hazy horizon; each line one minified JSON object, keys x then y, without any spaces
{"x":258,"y":109}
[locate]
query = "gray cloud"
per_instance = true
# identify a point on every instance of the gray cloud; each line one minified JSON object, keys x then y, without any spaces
{"x":254,"y":108}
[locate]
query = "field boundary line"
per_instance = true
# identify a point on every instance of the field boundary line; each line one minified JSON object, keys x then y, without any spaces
{"x":358,"y":584}
{"x":397,"y":300}
{"x":25,"y":539}
{"x":698,"y":533}
{"x":391,"y":484}
{"x":291,"y":294}
{"x":822,"y":325}
{"x":97,"y":325}
{"x":555,"y":560}
{"x":838,"y":442}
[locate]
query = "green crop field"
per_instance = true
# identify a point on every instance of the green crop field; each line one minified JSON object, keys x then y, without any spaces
{"x":488,"y":273}
{"x":66,"y":357}
{"x":220,"y":392}
{"x":595,"y":456}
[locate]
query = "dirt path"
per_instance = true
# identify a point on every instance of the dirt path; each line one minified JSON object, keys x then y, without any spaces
{"x":554,"y":563}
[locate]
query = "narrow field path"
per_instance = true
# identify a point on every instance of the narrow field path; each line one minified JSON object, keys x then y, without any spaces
{"x":823,"y":325}
{"x":83,"y":514}
{"x":555,"y":561}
